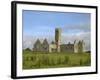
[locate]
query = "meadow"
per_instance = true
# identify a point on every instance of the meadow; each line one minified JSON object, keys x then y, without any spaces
{"x":36,"y":60}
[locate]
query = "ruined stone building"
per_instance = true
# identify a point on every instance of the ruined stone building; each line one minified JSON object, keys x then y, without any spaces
{"x":38,"y":46}
{"x":56,"y":46}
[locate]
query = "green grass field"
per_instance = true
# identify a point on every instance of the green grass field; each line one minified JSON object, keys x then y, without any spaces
{"x":35,"y":60}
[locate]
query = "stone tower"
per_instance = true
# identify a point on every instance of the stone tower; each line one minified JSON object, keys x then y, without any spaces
{"x":78,"y":46}
{"x":58,"y":38}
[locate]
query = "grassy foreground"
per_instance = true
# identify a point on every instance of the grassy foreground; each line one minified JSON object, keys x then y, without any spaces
{"x":35,"y":60}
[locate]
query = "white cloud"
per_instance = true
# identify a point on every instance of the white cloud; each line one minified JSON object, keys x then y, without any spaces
{"x":76,"y":28}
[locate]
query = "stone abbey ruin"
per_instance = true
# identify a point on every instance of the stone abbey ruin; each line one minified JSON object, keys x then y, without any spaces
{"x":56,"y":46}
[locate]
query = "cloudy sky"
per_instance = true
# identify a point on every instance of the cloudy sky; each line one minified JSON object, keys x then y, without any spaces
{"x":42,"y":24}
